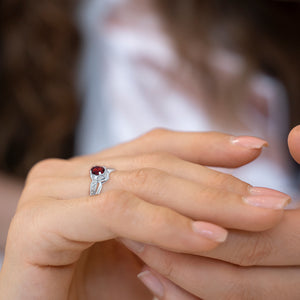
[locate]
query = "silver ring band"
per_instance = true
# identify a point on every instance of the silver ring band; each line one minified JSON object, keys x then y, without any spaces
{"x":99,"y":175}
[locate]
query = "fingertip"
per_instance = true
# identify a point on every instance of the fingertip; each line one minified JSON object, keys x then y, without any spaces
{"x":249,"y":142}
{"x":162,"y":287}
{"x":296,"y":129}
{"x":294,"y":143}
{"x":243,"y":150}
{"x":264,"y":219}
{"x":152,"y":282}
{"x":241,"y":159}
{"x":256,"y":218}
{"x":210,"y":231}
{"x":266,"y":206}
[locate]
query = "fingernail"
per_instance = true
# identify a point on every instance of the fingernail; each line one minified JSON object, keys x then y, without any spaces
{"x":210,"y":231}
{"x":152,"y":283}
{"x":134,"y":246}
{"x":249,"y":142}
{"x":267,"y":198}
{"x":257,"y":191}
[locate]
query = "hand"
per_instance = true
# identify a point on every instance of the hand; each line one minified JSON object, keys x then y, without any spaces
{"x":264,"y":265}
{"x":60,"y":244}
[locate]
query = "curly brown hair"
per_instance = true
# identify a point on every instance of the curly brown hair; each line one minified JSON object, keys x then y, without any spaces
{"x":264,"y":32}
{"x":39,"y":46}
{"x":38,"y":107}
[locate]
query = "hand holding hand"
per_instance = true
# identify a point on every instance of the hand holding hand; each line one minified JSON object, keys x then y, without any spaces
{"x":60,"y":243}
{"x":249,"y":265}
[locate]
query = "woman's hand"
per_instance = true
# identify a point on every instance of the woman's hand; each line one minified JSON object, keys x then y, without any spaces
{"x":249,"y":265}
{"x":60,"y":243}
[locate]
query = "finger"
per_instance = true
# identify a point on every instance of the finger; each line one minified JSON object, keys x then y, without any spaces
{"x":172,"y":165}
{"x":202,"y":202}
{"x":75,"y":224}
{"x":163,"y":288}
{"x":189,"y":198}
{"x":294,"y":143}
{"x":212,"y":279}
{"x":275,"y":247}
{"x":163,"y":161}
{"x":206,"y":148}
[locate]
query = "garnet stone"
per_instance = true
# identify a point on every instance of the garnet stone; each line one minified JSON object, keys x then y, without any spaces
{"x":97,"y":170}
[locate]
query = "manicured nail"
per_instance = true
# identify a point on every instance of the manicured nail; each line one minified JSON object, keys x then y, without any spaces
{"x":257,"y":191}
{"x":134,"y":246}
{"x":249,"y":142}
{"x":210,"y":231}
{"x":152,"y":283}
{"x":267,"y":198}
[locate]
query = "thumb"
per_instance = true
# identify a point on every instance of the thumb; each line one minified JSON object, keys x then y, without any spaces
{"x":294,"y":143}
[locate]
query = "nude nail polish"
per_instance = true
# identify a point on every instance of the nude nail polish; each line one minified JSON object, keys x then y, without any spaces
{"x":249,"y":142}
{"x":210,"y":231}
{"x":257,"y":191}
{"x":152,"y":283}
{"x":134,"y":246}
{"x":267,"y":198}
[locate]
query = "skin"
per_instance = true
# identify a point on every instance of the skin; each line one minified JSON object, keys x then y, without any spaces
{"x":10,"y":191}
{"x":62,"y":242}
{"x":248,"y":265}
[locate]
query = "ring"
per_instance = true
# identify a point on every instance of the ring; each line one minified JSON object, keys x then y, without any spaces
{"x":99,"y":175}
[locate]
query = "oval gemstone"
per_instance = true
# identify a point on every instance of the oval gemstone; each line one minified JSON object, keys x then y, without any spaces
{"x":97,"y":170}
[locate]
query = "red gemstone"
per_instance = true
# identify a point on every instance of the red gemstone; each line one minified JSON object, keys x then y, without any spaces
{"x":97,"y":170}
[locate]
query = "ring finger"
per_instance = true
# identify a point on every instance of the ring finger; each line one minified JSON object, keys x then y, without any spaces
{"x":189,"y":198}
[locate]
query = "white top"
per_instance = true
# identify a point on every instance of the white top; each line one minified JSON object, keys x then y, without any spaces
{"x":127,"y":93}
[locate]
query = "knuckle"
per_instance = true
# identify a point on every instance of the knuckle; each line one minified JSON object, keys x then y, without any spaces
{"x":225,"y":179}
{"x":148,"y":180}
{"x":255,"y":250}
{"x":39,"y":186}
{"x":115,"y":203}
{"x":43,"y":167}
{"x":155,"y":133}
{"x":144,"y":176}
{"x":208,"y":193}
{"x":231,"y":183}
{"x":33,"y":185}
{"x":140,"y":176}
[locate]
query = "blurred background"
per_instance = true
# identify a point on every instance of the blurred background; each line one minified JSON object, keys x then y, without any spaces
{"x":81,"y":76}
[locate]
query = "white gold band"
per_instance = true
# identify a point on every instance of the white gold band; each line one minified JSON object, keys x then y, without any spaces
{"x":99,"y":175}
